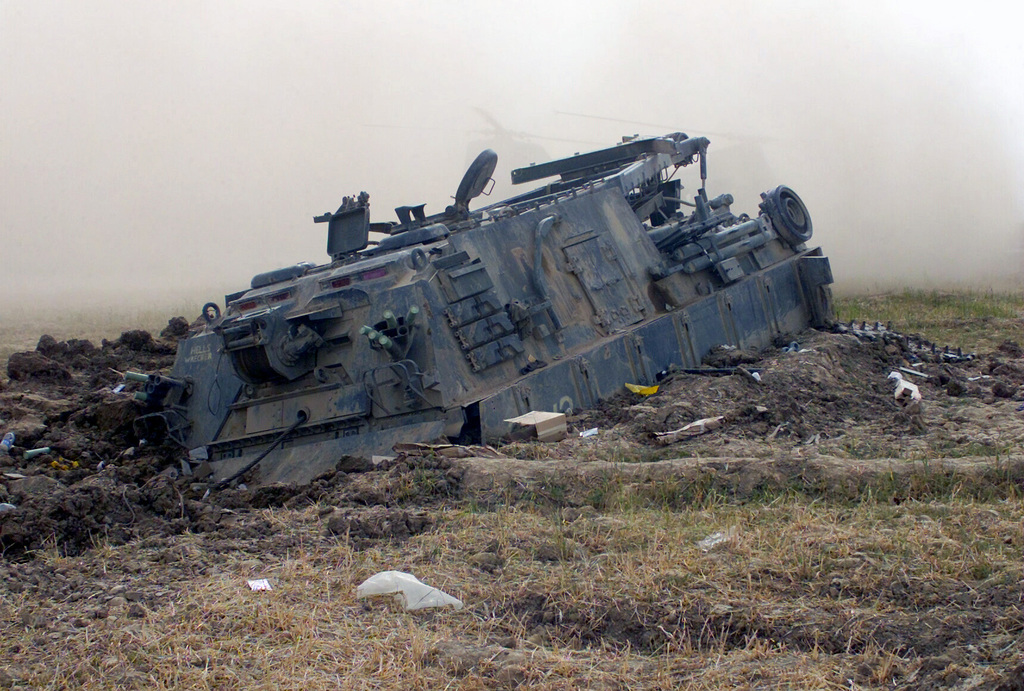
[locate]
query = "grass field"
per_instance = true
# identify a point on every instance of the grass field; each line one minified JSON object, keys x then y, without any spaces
{"x":798,"y":591}
{"x":20,"y":328}
{"x":976,"y":321}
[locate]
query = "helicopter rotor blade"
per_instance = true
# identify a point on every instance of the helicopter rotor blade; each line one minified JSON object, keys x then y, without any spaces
{"x":758,"y":139}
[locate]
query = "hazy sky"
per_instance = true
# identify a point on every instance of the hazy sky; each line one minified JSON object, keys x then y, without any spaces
{"x":172,"y":150}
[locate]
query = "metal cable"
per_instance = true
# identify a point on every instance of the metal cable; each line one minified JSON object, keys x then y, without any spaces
{"x":300,"y":418}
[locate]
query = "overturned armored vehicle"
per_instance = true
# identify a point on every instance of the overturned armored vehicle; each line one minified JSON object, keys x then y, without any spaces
{"x":454,"y":322}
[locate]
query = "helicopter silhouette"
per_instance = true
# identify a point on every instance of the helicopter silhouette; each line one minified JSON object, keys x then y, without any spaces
{"x":740,"y":163}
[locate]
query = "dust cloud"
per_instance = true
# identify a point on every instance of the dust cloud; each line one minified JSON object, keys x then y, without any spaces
{"x":154,"y":154}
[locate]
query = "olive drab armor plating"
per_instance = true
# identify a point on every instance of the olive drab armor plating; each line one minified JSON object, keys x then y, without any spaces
{"x":454,"y":322}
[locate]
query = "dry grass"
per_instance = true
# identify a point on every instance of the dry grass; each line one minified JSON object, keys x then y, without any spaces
{"x":976,"y":321}
{"x":800,"y":594}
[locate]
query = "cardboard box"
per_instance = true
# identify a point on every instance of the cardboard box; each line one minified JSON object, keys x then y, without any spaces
{"x":547,"y":426}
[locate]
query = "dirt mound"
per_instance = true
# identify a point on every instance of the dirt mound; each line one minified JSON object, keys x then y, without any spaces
{"x":711,"y":624}
{"x":364,"y":526}
{"x":97,"y":479}
{"x":679,"y":482}
{"x":100,"y":483}
{"x":176,"y":328}
{"x":49,"y":511}
{"x":831,"y":392}
{"x":36,"y":367}
{"x":149,"y":498}
{"x":1014,"y":680}
{"x":827,"y":395}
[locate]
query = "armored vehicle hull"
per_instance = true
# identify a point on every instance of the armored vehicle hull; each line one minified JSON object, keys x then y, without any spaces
{"x":454,"y":323}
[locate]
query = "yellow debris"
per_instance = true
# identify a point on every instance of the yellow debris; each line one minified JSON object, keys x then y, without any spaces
{"x":643,"y":390}
{"x":62,"y":464}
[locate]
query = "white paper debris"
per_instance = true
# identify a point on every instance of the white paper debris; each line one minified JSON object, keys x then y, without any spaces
{"x":589,"y":432}
{"x":409,"y":590}
{"x":259,"y":584}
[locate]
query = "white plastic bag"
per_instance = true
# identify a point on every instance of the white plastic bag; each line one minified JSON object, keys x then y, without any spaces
{"x":410,"y":591}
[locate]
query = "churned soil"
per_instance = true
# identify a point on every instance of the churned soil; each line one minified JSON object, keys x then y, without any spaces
{"x":818,"y":533}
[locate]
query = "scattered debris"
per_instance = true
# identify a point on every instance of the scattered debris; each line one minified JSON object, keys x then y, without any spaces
{"x":693,"y":429}
{"x":795,"y":347}
{"x":916,"y":346}
{"x":63,"y":464}
{"x":7,"y":443}
{"x":5,"y":506}
{"x":259,"y":584}
{"x":592,"y":432}
{"x":409,"y":590}
{"x":719,"y":371}
{"x":642,"y":390}
{"x":32,"y":453}
{"x":906,"y":393}
{"x":420,"y":449}
{"x":545,"y":426}
{"x":119,"y":494}
{"x":840,"y":388}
